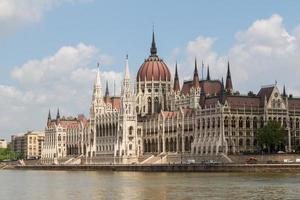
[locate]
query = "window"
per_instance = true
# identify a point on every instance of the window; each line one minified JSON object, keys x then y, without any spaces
{"x":130,"y":146}
{"x":130,"y":130}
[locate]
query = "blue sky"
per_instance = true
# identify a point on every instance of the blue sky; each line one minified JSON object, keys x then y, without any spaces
{"x":213,"y":31}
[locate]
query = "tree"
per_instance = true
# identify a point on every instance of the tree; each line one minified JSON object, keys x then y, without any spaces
{"x":271,"y":137}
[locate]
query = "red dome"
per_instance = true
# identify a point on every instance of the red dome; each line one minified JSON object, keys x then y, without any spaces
{"x":153,"y":69}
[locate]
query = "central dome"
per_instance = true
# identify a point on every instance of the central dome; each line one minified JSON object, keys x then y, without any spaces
{"x":154,"y":68}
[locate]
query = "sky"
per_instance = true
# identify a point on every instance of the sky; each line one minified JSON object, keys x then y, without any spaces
{"x":49,"y":49}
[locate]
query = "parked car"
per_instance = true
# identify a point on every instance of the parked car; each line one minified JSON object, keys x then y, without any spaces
{"x":287,"y":161}
{"x":251,"y":160}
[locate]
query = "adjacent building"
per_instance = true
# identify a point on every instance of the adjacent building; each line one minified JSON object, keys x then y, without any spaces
{"x":29,"y":145}
{"x":156,"y":116}
{"x":3,"y":144}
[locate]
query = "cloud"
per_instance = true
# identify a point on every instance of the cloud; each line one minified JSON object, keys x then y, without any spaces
{"x":266,"y":51}
{"x":64,"y":79}
{"x":15,"y":13}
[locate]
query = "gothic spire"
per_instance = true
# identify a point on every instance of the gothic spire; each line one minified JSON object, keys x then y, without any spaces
{"x":284,"y":92}
{"x":49,"y":115}
{"x":127,"y":73}
{"x":208,"y":74}
{"x":228,"y":79}
{"x":106,"y":90}
{"x":176,"y":80}
{"x":196,"y":77}
{"x":153,"y":49}
{"x":58,"y":114}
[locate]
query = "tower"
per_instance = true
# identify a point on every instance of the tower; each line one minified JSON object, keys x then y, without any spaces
{"x":97,"y":104}
{"x":127,"y":140}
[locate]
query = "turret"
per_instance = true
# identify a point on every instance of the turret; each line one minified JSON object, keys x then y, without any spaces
{"x":196,"y":83}
{"x":176,"y":86}
{"x":229,"y":87}
{"x":97,"y":92}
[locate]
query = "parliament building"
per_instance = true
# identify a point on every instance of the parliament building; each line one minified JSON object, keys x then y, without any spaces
{"x":155,"y":119}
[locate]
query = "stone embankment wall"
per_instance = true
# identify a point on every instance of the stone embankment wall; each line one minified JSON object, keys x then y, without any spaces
{"x":265,"y":158}
{"x":257,"y":168}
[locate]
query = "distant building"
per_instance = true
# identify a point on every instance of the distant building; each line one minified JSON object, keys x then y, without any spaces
{"x":160,"y":118}
{"x":3,"y":144}
{"x":30,"y":144}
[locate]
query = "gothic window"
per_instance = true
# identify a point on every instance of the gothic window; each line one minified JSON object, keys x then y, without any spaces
{"x":130,"y":130}
{"x":59,"y":137}
{"x":241,"y":122}
{"x":278,"y":103}
{"x":156,"y":105}
{"x":130,"y":146}
{"x":226,"y":122}
{"x":248,"y":142}
{"x":241,"y":142}
{"x":247,"y":122}
{"x":233,"y":122}
{"x":255,"y":122}
{"x":149,"y":105}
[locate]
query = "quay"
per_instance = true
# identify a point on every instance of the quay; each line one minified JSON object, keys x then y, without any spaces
{"x":270,"y":168}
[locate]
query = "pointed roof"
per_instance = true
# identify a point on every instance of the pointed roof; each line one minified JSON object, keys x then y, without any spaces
{"x":228,"y":79}
{"x":196,"y":77}
{"x":97,"y":81}
{"x":284,"y":92}
{"x":58,"y":114}
{"x":49,"y":115}
{"x":106,"y":90}
{"x":176,"y":80}
{"x":153,"y":49}
{"x":208,"y":74}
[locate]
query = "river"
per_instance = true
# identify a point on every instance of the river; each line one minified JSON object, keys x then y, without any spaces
{"x":90,"y":185}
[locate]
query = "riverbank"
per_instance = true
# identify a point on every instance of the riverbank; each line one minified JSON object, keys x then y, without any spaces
{"x":272,"y":168}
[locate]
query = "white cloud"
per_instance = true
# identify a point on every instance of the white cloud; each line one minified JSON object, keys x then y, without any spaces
{"x":64,"y":80}
{"x":266,"y":51}
{"x":14,"y":13}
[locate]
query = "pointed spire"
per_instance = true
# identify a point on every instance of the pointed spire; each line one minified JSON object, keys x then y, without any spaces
{"x":97,"y":81}
{"x":228,"y":80}
{"x":127,"y":73}
{"x":176,"y":87}
{"x":106,"y":90}
{"x":284,"y":92}
{"x":58,"y":114}
{"x":49,"y":115}
{"x":153,"y":49}
{"x":208,"y":74}
{"x":196,"y":77}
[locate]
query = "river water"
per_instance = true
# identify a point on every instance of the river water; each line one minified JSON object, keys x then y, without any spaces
{"x":90,"y":185}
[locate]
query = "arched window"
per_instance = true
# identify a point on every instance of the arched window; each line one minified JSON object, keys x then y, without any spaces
{"x":130,"y":130}
{"x":241,"y":122}
{"x":156,"y":105}
{"x":149,"y":105}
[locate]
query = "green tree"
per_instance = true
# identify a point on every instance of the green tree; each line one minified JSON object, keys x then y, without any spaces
{"x":271,"y":137}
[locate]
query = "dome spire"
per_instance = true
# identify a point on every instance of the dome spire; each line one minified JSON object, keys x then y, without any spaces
{"x":153,"y":49}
